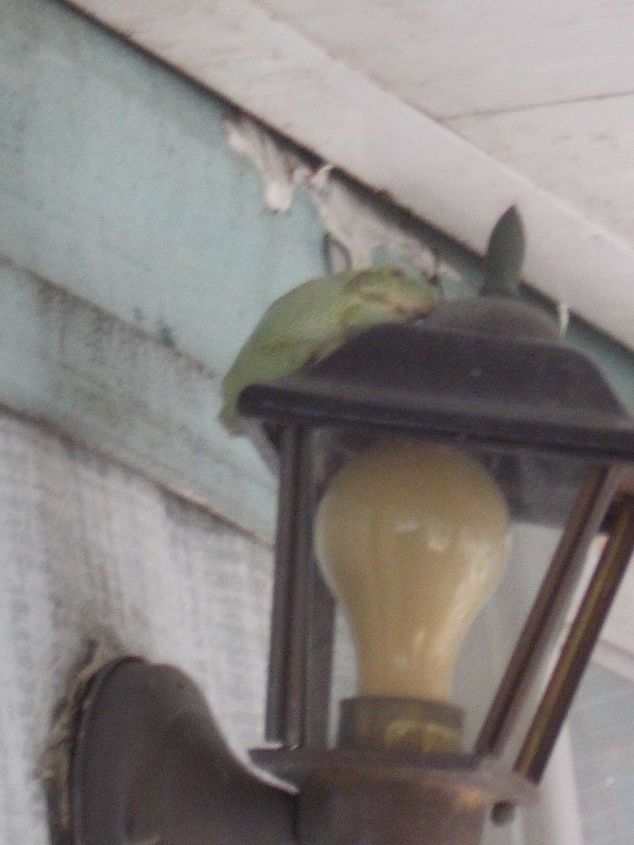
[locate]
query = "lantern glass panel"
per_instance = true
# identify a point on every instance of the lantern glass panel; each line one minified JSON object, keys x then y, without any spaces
{"x":436,"y":551}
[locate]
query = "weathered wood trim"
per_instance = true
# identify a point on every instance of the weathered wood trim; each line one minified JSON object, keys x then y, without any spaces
{"x":293,"y":84}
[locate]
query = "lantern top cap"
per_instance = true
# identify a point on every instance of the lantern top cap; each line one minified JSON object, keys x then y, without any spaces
{"x":488,"y":371}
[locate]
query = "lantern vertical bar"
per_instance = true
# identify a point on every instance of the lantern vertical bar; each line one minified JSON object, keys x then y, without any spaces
{"x":576,"y":651}
{"x":547,"y":610}
{"x":302,"y":616}
{"x":312,"y":617}
{"x":283,"y":707}
{"x":319,"y":658}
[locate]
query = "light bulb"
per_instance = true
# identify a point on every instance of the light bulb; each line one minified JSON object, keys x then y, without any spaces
{"x":412,"y":538}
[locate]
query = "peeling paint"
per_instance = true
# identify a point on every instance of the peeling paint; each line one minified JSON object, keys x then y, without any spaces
{"x":276,"y":166}
{"x":364,"y":232}
{"x":353,"y":226}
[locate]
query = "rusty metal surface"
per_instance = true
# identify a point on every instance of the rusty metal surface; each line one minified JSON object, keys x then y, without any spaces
{"x":148,"y":765}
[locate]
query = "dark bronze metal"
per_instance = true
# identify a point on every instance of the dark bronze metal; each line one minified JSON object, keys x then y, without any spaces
{"x":149,"y":767}
{"x":576,"y":651}
{"x":365,"y":797}
{"x":296,"y":693}
{"x":321,"y":625}
{"x":286,"y":704}
{"x":340,"y":811}
{"x":390,"y":723}
{"x":288,"y":608}
{"x":442,"y":379}
{"x":303,"y":609}
{"x":546,"y":615}
{"x":397,"y":777}
{"x":495,"y":316}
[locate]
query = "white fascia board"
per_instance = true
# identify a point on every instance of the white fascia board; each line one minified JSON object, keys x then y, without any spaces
{"x":292,"y":84}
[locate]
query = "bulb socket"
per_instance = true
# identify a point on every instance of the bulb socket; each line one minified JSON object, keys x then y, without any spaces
{"x":387,"y":723}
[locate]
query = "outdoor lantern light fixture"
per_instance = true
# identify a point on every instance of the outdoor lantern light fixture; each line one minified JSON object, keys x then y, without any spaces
{"x":408,"y":459}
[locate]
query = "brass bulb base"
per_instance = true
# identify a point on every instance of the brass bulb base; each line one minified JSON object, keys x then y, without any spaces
{"x":386,"y":723}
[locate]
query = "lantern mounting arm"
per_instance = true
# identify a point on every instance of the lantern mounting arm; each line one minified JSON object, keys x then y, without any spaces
{"x":147,"y":765}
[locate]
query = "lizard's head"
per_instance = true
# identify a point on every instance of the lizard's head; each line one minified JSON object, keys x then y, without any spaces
{"x":388,"y":294}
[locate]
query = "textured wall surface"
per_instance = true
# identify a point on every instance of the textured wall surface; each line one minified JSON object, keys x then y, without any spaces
{"x":118,"y":186}
{"x":92,"y":553}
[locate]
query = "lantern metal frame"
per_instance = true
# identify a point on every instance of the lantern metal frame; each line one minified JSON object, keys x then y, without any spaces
{"x":489,"y":372}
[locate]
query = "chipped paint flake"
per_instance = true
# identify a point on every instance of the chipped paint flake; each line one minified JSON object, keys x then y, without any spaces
{"x":344,"y":213}
{"x":275,"y":165}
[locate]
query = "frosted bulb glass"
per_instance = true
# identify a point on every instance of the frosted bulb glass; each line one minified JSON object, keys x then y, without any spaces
{"x":412,"y":538}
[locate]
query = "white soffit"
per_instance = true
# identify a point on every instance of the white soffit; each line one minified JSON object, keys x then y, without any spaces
{"x":382,"y":89}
